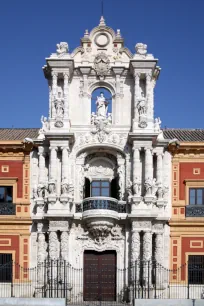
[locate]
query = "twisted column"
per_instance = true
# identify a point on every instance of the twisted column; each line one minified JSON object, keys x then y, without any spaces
{"x":135,"y":251}
{"x":147,"y":256}
{"x":64,"y":245}
{"x":53,"y":246}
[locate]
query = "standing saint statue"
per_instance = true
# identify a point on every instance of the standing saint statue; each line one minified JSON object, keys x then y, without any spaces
{"x":102,"y":106}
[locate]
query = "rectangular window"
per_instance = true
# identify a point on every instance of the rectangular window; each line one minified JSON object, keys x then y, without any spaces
{"x":100,"y":188}
{"x":5,"y":268}
{"x":196,"y":269}
{"x":196,"y":196}
{"x":6,"y":194}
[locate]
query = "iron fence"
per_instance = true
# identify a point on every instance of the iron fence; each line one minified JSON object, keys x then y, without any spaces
{"x":58,"y":279}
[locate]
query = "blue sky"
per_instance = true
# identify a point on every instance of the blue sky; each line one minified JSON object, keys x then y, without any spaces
{"x":172,"y":29}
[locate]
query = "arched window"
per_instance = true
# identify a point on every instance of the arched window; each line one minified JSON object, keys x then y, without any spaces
{"x":101,"y":104}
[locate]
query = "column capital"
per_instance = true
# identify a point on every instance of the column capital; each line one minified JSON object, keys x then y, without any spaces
{"x":136,"y":74}
{"x":54,"y":73}
{"x":136,"y":147}
{"x":53,"y":148}
{"x":66,"y":74}
{"x":65,"y":148}
{"x":159,"y":154}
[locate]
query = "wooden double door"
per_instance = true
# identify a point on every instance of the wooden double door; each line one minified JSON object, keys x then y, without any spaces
{"x":99,"y":276}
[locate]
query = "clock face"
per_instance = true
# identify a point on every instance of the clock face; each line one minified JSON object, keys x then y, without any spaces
{"x":102,"y":39}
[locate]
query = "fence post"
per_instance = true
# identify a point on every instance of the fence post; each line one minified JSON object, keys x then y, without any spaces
{"x":188,"y":282}
{"x":12,"y":278}
{"x":155,"y":288}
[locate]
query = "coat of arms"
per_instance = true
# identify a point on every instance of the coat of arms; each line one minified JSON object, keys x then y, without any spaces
{"x":101,"y":65}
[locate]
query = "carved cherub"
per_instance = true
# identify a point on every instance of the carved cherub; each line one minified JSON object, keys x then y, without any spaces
{"x":45,"y":124}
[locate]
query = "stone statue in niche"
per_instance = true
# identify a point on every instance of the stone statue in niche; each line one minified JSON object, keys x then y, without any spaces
{"x":141,"y":106}
{"x":102,"y":106}
{"x":137,"y":186}
{"x":59,"y":106}
{"x":142,"y":111}
{"x":154,"y":187}
{"x":62,"y":48}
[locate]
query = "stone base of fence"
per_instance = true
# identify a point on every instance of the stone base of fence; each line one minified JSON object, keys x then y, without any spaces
{"x":31,"y":302}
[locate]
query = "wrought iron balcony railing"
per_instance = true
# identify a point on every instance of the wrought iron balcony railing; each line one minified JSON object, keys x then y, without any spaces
{"x":195,"y":211}
{"x":7,"y":208}
{"x":101,"y":203}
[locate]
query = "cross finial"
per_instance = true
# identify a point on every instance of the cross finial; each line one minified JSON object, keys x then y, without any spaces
{"x":102,"y":20}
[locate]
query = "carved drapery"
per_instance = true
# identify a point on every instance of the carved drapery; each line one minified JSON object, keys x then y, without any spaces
{"x":53,"y":162}
{"x":41,"y":153}
{"x":54,"y":92}
{"x":64,"y":245}
{"x":53,"y":246}
{"x":159,"y":248}
{"x":66,"y":95}
{"x":65,"y":162}
{"x":136,"y":171}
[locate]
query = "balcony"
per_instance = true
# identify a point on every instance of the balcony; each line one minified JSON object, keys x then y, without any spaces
{"x":7,"y":208}
{"x":195,"y":211}
{"x":103,"y":203}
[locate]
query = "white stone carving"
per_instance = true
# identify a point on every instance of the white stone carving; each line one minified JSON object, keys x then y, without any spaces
{"x":129,"y":189}
{"x":147,"y":246}
{"x":135,"y":245}
{"x":65,"y":186}
{"x":41,"y":190}
{"x":64,"y":245}
{"x":141,"y":49}
{"x":101,"y":128}
{"x":137,"y":186}
{"x":44,"y":129}
{"x":102,"y":106}
{"x":157,"y":125}
{"x":142,"y":110}
{"x":121,"y":174}
{"x":101,"y":65}
{"x":52,"y":186}
{"x":98,"y":169}
{"x":58,"y":225}
{"x":53,"y":246}
{"x":62,"y":48}
{"x":42,"y":248}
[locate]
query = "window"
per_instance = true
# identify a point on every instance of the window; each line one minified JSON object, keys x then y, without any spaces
{"x":196,"y":269}
{"x":196,"y":196}
{"x":5,"y":267}
{"x":6,"y":194}
{"x":100,"y":189}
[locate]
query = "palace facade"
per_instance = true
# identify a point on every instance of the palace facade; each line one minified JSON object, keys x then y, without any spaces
{"x":15,"y":220}
{"x":101,"y":172}
{"x":187,"y":221}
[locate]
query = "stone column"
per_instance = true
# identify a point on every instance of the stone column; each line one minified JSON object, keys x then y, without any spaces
{"x":159,"y":175}
{"x":41,"y":252}
{"x":53,"y":246}
{"x":147,"y":256}
{"x":41,"y":176}
{"x":66,"y":94}
{"x":135,"y":251}
{"x":136,"y":171}
{"x":149,"y":95}
{"x":159,"y":250}
{"x":121,"y":175}
{"x":148,"y":164}
{"x":65,"y":162}
{"x":53,"y":162}
{"x":54,"y":91}
{"x":64,"y":245}
{"x":136,"y":92}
